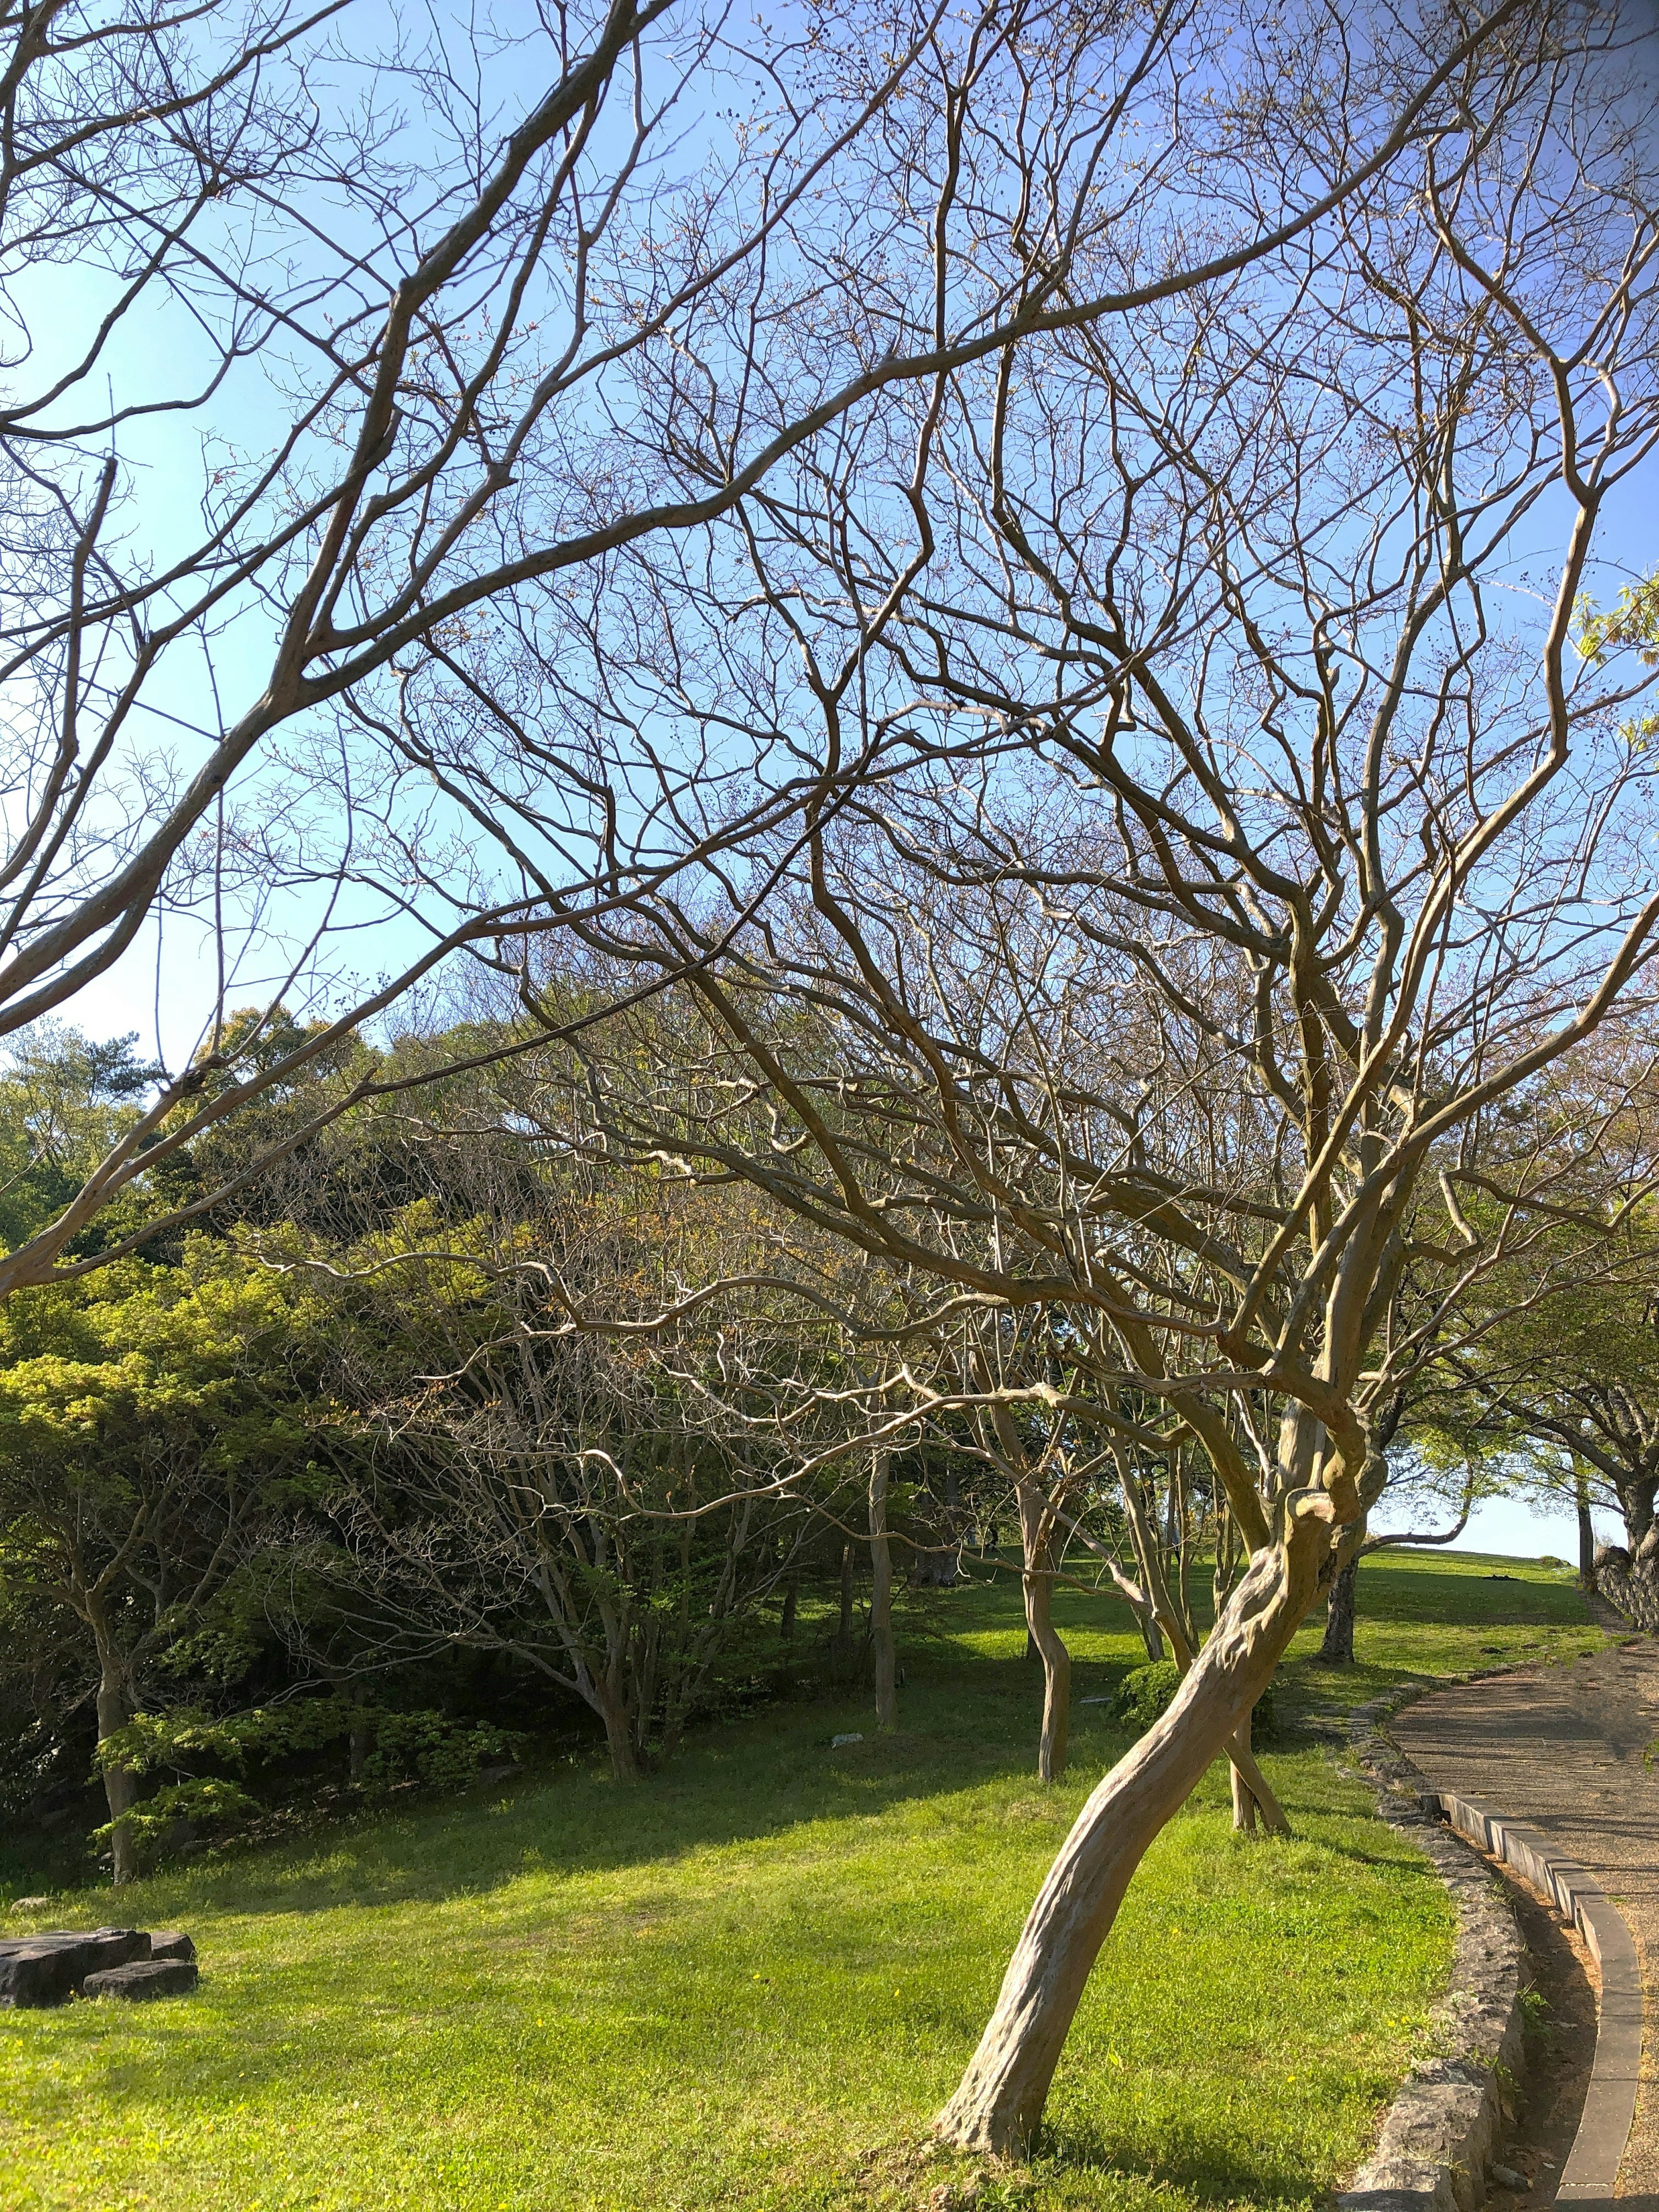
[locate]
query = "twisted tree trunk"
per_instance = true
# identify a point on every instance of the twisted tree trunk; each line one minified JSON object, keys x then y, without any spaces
{"x":999,"y":2104}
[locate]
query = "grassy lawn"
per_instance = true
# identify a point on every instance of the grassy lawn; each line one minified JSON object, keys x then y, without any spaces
{"x":752,"y":1980}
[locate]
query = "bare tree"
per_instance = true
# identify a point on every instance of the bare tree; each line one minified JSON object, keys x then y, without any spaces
{"x":486,"y":347}
{"x":1191,"y":1019}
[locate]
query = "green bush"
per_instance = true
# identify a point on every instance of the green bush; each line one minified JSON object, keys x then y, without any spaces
{"x":425,"y":1747}
{"x":1146,"y":1693}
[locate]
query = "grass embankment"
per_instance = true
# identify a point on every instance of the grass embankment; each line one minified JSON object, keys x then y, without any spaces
{"x":751,"y":1981}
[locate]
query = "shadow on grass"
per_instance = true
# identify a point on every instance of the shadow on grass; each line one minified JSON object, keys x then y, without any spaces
{"x":968,"y":1725}
{"x":1201,"y":2165}
{"x":968,"y":1722}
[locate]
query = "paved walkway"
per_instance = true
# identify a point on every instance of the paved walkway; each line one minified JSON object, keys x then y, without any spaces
{"x":1561,"y":1748}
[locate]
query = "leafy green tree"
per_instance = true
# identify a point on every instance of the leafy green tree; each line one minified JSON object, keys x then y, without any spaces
{"x":151,"y":1420}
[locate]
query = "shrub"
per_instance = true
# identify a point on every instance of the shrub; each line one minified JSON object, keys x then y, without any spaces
{"x":1146,"y":1693}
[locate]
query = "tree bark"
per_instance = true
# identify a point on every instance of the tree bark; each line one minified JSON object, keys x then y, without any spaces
{"x":1586,"y":1534}
{"x":1251,"y":1795}
{"x":999,"y":2104}
{"x":120,"y":1783}
{"x":1337,"y":1649}
{"x":625,"y":1762}
{"x":1041,"y":1632}
{"x":881,"y":1598}
{"x":786,"y":1613}
{"x":841,"y":1649}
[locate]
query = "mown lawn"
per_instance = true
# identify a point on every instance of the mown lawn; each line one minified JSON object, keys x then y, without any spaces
{"x":752,"y":1980}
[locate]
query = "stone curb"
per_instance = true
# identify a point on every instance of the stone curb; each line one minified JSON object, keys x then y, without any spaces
{"x":1444,"y":2124}
{"x":1592,"y":2167}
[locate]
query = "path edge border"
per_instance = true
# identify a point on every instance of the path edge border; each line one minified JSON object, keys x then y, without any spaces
{"x":1440,"y":2132}
{"x":1458,"y":2180}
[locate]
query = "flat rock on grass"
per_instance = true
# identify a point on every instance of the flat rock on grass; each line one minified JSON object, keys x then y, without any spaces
{"x":171,"y":1944}
{"x":144,"y":1978}
{"x":49,"y":1969}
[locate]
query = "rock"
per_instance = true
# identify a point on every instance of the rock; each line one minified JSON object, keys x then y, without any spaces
{"x":1507,"y":2178}
{"x":49,"y":1969}
{"x":144,"y":1978}
{"x":836,"y":1741}
{"x":172,"y":1944}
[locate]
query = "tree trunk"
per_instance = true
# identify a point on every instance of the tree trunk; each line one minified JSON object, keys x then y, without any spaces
{"x":1040,"y":1630}
{"x":120,"y":1783}
{"x":1586,"y":1535}
{"x":625,"y":1761}
{"x":881,"y":1598}
{"x":842,"y":1648}
{"x":360,"y":1741}
{"x":1250,"y":1793}
{"x":999,"y":2104}
{"x":786,"y":1616}
{"x":1337,"y":1649}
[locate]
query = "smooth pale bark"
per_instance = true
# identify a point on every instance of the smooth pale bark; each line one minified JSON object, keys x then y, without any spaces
{"x":999,"y":2104}
{"x":120,"y":1783}
{"x":1164,"y":1613}
{"x":1337,"y":1649}
{"x":881,"y":1598}
{"x":1245,"y":1803}
{"x":1245,"y":1770}
{"x":1039,"y":1587}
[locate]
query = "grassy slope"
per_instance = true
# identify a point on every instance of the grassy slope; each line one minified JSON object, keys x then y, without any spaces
{"x":751,"y":1981}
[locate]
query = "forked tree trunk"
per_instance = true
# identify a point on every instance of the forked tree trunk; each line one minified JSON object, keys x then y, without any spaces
{"x":1337,"y":1649}
{"x":120,"y":1783}
{"x":999,"y":2104}
{"x":881,"y":1598}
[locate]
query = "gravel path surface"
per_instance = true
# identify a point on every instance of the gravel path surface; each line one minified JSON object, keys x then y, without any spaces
{"x":1561,"y":1748}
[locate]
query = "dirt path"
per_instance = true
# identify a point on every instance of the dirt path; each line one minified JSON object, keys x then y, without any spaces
{"x":1562,"y":1748}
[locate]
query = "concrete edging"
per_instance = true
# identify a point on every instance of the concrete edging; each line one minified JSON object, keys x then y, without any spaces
{"x":1441,"y":2130}
{"x":1445,"y":2122}
{"x":1592,"y":2167}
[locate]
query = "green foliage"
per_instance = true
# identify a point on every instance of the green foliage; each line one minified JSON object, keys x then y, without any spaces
{"x":1147,"y":1695}
{"x":208,"y":1801}
{"x":1149,"y":1691}
{"x":65,"y":1101}
{"x":427,"y":1747}
{"x":1631,"y":623}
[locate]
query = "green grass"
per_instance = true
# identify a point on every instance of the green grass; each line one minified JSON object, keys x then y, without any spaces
{"x":751,"y":1981}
